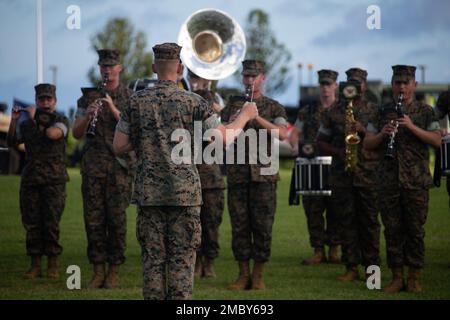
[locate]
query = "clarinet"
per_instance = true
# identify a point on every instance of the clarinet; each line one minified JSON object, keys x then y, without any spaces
{"x":391,"y":144}
{"x":93,"y":124}
{"x":249,"y":93}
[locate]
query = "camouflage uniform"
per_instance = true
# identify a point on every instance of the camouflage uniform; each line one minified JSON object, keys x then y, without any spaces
{"x":443,"y":109}
{"x":168,"y":194}
{"x":213,"y":201}
{"x":106,"y":184}
{"x":403,"y":188}
{"x":353,"y":197}
{"x":252,"y":196}
{"x":308,"y":121}
{"x":43,"y":183}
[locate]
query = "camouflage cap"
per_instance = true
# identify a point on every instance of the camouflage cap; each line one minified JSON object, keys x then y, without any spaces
{"x":91,"y":94}
{"x":403,"y":72}
{"x":356,"y":74}
{"x":327,"y":76}
{"x":108,"y":57}
{"x":167,"y":51}
{"x":45,"y":90}
{"x":253,"y":67}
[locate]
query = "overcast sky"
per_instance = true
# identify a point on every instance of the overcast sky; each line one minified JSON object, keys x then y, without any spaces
{"x":327,"y":33}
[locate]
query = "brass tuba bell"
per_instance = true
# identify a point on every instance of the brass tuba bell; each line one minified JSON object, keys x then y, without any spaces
{"x":213,"y":44}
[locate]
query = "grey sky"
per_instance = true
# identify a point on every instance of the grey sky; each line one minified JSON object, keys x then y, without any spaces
{"x":328,"y":33}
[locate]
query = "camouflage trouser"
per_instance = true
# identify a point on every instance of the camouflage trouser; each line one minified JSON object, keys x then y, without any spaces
{"x":448,"y":190}
{"x":252,"y":211}
{"x":105,"y":201}
{"x":42,"y":207}
{"x":358,"y":216}
{"x":169,"y":238}
{"x":211,"y":218}
{"x":404,"y":213}
{"x":319,"y":234}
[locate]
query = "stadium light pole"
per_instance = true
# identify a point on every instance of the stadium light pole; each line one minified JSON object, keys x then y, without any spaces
{"x":310,"y":73}
{"x":39,"y":53}
{"x":54,"y":70}
{"x":300,"y":80}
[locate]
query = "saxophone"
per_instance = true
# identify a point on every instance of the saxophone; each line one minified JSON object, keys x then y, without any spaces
{"x":351,"y":139}
{"x":93,"y":124}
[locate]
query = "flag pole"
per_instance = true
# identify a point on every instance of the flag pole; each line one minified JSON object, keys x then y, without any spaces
{"x":39,"y":53}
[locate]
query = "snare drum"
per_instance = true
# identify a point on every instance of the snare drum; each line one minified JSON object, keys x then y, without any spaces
{"x":311,"y":176}
{"x":445,"y":155}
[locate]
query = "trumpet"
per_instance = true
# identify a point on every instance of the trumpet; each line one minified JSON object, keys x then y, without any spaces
{"x":93,"y":124}
{"x":390,"y":151}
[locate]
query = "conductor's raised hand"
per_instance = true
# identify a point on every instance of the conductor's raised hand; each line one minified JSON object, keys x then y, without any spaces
{"x":249,"y":110}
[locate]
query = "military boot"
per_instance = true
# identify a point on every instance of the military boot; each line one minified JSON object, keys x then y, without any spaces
{"x":413,"y":284}
{"x":397,"y":284}
{"x":351,"y":274}
{"x":257,"y":276}
{"x":198,"y":267}
{"x":99,"y":276}
{"x":35,"y":268}
{"x":52,"y":267}
{"x":208,"y":268}
{"x":112,"y":279}
{"x":318,"y":257}
{"x":243,"y":281}
{"x":333,"y":255}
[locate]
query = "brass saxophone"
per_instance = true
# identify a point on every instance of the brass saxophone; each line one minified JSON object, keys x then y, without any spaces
{"x":351,"y":140}
{"x":93,"y":124}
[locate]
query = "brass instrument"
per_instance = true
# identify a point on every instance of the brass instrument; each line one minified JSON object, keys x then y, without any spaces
{"x":350,"y":91}
{"x":93,"y":124}
{"x":390,"y":151}
{"x":213,"y":44}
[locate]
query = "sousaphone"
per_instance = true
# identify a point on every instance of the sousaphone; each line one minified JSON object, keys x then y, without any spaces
{"x":213,"y":44}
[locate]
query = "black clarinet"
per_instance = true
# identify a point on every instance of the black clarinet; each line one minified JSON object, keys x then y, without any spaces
{"x":93,"y":124}
{"x":249,"y":90}
{"x":390,"y":152}
{"x":249,"y":93}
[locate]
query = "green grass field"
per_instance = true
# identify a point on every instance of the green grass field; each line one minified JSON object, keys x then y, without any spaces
{"x":285,"y":277}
